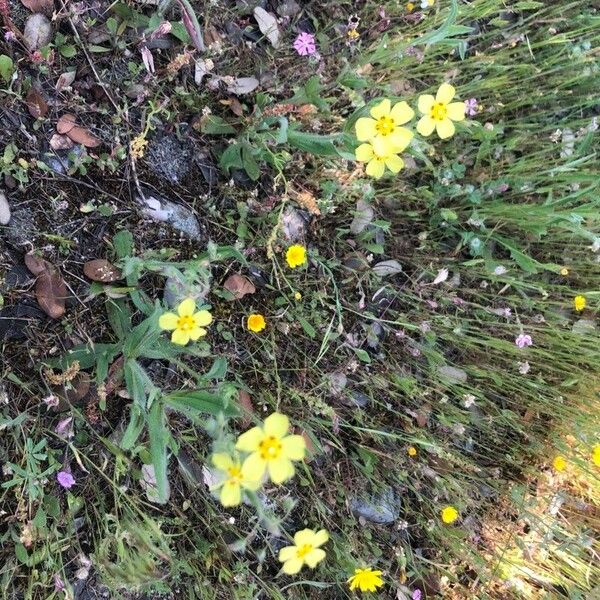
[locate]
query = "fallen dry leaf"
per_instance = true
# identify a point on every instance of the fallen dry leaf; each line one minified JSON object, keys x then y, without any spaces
{"x":61,"y":142}
{"x":84,"y":137}
{"x":101,"y":270}
{"x":247,"y":407}
{"x":66,"y":123}
{"x":307,"y":201}
{"x":35,"y":263}
{"x":65,"y":80}
{"x":239,"y":286}
{"x":50,"y":288}
{"x":39,"y":6}
{"x":267,"y":24}
{"x":36,"y":105}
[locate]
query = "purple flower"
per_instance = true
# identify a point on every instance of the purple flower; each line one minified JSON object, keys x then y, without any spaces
{"x":417,"y":595}
{"x":523,"y":340}
{"x":471,"y":107}
{"x":305,"y":44}
{"x":59,"y":584}
{"x":65,"y":479}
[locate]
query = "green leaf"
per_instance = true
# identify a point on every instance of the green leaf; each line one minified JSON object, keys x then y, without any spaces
{"x":249,"y":162}
{"x":6,"y":67}
{"x":123,"y":243}
{"x":98,"y":49}
{"x":218,"y":369}
{"x":321,"y":145}
{"x":201,"y":401}
{"x":87,"y":356}
{"x":308,"y":328}
{"x":68,"y":51}
{"x":134,"y":428}
{"x":231,"y":157}
{"x":178,"y":30}
{"x":119,"y":316}
{"x":214,"y":125}
{"x":363,"y":355}
{"x":139,"y":385}
{"x":21,"y":554}
{"x":159,"y":440}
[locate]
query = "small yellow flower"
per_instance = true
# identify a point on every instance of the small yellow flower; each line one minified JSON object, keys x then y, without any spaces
{"x":256,"y":322}
{"x":449,"y":514}
{"x":579,"y":303}
{"x":559,"y":463}
{"x":410,"y":6}
{"x":353,"y":35}
{"x":564,"y":271}
{"x":297,"y":296}
{"x":439,"y":112}
{"x":305,"y":551}
{"x":186,"y":324}
{"x":378,"y":156}
{"x":295,"y":256}
{"x":366,"y":580}
{"x":385,"y":128}
{"x":235,"y":481}
{"x":412,"y":451}
{"x":596,"y":455}
{"x":272,"y":449}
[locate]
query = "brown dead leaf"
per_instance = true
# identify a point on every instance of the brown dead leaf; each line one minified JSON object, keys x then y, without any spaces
{"x":79,"y":387}
{"x":36,"y":105}
{"x":308,"y":201}
{"x":36,"y":264}
{"x":247,"y":407}
{"x":61,"y":142}
{"x":51,"y":292}
{"x":311,"y":449}
{"x":115,"y":375}
{"x":80,"y":135}
{"x":39,"y":6}
{"x":66,"y":123}
{"x":65,"y":80}
{"x":101,"y":270}
{"x":235,"y":106}
{"x":239,"y":286}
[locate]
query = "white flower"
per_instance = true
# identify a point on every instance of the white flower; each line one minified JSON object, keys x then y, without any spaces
{"x":469,"y":400}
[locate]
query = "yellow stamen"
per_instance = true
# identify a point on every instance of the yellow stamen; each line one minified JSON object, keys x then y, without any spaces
{"x":385,"y":125}
{"x":304,"y":550}
{"x":439,"y":111}
{"x":186,"y":323}
{"x":270,"y":448}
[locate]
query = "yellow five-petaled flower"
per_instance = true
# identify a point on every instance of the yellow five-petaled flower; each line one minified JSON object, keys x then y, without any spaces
{"x":187,"y":324}
{"x":449,"y":514}
{"x":366,"y":580}
{"x":305,"y":551}
{"x":272,"y":449}
{"x":256,"y":322}
{"x":559,"y":463}
{"x":235,"y":479}
{"x":384,"y":128}
{"x":439,"y":112}
{"x":295,"y":256}
{"x":579,"y":303}
{"x":378,"y":156}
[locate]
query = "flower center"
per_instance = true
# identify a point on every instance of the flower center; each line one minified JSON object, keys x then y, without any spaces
{"x":235,"y":473}
{"x":439,"y":111}
{"x":270,"y":448}
{"x":384,"y":125}
{"x":186,"y":323}
{"x":303,"y":550}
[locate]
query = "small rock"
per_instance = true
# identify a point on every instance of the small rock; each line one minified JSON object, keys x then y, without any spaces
{"x":289,"y":8}
{"x":37,"y":32}
{"x":294,"y":223}
{"x":584,"y":327}
{"x":4,"y":210}
{"x":21,"y":229}
{"x":337,"y":382}
{"x":169,"y":157}
{"x":358,"y":399}
{"x":452,"y":374}
{"x":383,"y":508}
{"x":180,"y":217}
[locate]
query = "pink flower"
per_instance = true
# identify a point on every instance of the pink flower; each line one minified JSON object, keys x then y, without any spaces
{"x":59,"y":584}
{"x":523,"y":340}
{"x":305,"y":44}
{"x":471,"y":107}
{"x":417,"y":595}
{"x":65,"y":479}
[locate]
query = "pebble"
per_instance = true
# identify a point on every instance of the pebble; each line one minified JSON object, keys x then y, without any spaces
{"x":4,"y":210}
{"x":382,"y":508}
{"x":37,"y":32}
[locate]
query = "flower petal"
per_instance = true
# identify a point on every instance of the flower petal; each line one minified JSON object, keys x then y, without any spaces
{"x":402,"y":113}
{"x":231,"y":494}
{"x":456,"y":111}
{"x":254,"y":467}
{"x":294,"y":447}
{"x":394,"y":163}
{"x":445,"y":129}
{"x":425,"y":126}
{"x":287,"y":553}
{"x":401,"y":138}
{"x":186,"y":308}
{"x":425,"y":103}
{"x":203,"y":318}
{"x":313,"y":557}
{"x":276,"y":425}
{"x":365,"y":129}
{"x":280,"y":470}
{"x":364,"y":153}
{"x":320,"y":538}
{"x":304,"y":537}
{"x":250,"y":484}
{"x":375,"y":168}
{"x":197,"y":332}
{"x":291,"y":567}
{"x":180,"y":337}
{"x":249,"y":440}
{"x":168,"y":321}
{"x":222,"y":460}
{"x":382,"y":109}
{"x":445,"y":93}
{"x":382,"y":146}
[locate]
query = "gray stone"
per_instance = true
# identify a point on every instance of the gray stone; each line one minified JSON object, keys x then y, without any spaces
{"x":288,"y":8}
{"x":37,"y":32}
{"x":4,"y":210}
{"x":382,"y":508}
{"x":169,"y":157}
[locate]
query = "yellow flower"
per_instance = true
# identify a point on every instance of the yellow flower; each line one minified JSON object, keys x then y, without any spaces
{"x":438,"y":113}
{"x":297,"y":296}
{"x":564,"y":271}
{"x":378,"y":157}
{"x":353,"y":35}
{"x":295,"y":256}
{"x":186,"y":324}
{"x":385,"y":128}
{"x":256,"y":322}
{"x":449,"y":514}
{"x":596,"y":455}
{"x":579,"y":303}
{"x":366,"y":580}
{"x":271,"y":448}
{"x":410,"y":6}
{"x":412,"y":451}
{"x":235,"y":480}
{"x":559,"y":463}
{"x":305,"y":551}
